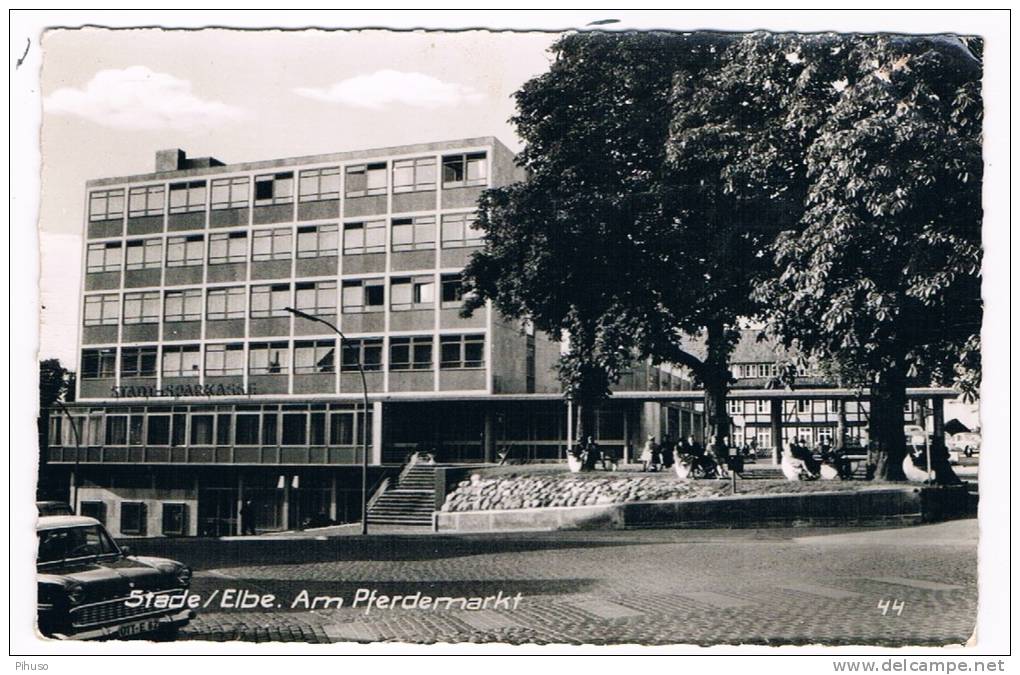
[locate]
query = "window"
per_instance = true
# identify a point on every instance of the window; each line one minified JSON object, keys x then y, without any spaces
{"x":116,"y":430}
{"x":412,"y":234}
{"x":246,"y":429}
{"x":141,"y":307}
{"x":229,"y":193}
{"x":175,"y":519}
{"x":181,"y":361}
{"x":224,"y":359}
{"x":201,"y":429}
{"x":367,"y":351}
{"x":341,"y":428}
{"x":223,"y":429}
{"x":269,"y":428}
{"x":183,"y":305}
{"x":270,"y":301}
{"x":411,"y":353}
{"x":138,"y":361}
{"x":803,"y":406}
{"x":317,"y":428}
{"x":464,"y":170}
{"x":315,"y":241}
{"x":96,"y":510}
{"x":274,"y":189}
{"x":148,"y":200}
{"x":228,"y":247}
{"x":452,"y":289}
{"x":106,"y":205}
{"x":459,"y":230}
{"x":367,"y":237}
{"x":735,"y":407}
{"x":187,"y":197}
{"x":158,"y":431}
{"x":98,"y":363}
{"x":412,"y":293}
{"x":363,"y":295}
{"x":366,"y":179}
{"x":319,"y":184}
{"x":411,"y":175}
{"x":104,"y":257}
{"x":294,"y":428}
{"x":145,"y":254}
{"x":461,"y":351}
{"x":132,"y":518}
{"x":184,"y":251}
{"x":268,"y":358}
{"x":762,"y":407}
{"x":225,"y":303}
{"x":102,"y":310}
{"x":316,"y":297}
{"x":271,"y":244}
{"x":314,"y":356}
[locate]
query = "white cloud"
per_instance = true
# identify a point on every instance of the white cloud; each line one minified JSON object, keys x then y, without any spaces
{"x":140,"y":98}
{"x":388,"y":87}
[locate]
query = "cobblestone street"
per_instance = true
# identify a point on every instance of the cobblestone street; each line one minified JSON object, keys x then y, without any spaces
{"x":788,"y":586}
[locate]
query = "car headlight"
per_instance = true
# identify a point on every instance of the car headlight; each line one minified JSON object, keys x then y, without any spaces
{"x":75,"y":594}
{"x":184,"y":575}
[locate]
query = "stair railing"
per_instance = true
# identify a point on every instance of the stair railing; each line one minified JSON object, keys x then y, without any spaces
{"x":407,"y":468}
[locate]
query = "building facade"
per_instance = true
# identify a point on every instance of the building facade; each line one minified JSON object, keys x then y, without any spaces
{"x":198,"y":389}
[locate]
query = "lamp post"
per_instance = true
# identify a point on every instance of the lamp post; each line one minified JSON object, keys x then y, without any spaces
{"x":77,"y":453}
{"x":364,"y":414}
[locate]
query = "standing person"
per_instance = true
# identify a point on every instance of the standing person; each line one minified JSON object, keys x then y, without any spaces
{"x":668,"y":453}
{"x":656,"y":457}
{"x":591,"y":453}
{"x":247,"y":517}
{"x":647,"y":452}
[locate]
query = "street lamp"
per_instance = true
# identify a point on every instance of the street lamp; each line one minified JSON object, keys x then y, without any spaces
{"x":77,"y":453}
{"x":364,"y":414}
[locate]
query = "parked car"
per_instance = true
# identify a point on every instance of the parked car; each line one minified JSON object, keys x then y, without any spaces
{"x":967,"y":442}
{"x":89,"y":587}
{"x":51,"y":508}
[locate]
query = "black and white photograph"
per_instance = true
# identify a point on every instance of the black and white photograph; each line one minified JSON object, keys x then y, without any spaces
{"x":602,"y":331}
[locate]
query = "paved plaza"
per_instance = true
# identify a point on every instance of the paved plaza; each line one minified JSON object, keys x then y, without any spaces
{"x":779,"y":586}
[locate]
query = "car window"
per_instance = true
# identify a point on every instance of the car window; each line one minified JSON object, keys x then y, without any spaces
{"x":74,"y":542}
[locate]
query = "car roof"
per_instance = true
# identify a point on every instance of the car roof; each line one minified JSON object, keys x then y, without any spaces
{"x":57,"y":522}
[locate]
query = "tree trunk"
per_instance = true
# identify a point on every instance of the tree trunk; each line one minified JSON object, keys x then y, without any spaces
{"x":716,"y":380}
{"x":584,"y":412}
{"x":885,"y":428}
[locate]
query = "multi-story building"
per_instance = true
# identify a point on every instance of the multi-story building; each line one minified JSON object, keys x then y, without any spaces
{"x":197,"y":387}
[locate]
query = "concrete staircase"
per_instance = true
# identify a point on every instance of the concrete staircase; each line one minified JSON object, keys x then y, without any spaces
{"x":409,"y":501}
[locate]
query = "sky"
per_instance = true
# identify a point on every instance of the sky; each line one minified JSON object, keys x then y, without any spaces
{"x":112,"y":98}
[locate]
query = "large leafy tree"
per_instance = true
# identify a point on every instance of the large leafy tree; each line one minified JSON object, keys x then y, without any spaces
{"x":881,"y":274}
{"x":626,"y":234}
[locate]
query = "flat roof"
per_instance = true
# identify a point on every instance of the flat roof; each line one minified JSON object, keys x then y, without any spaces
{"x":369,"y":153}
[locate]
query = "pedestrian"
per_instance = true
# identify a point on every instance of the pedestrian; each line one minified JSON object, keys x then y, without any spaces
{"x":591,"y":453}
{"x":647,"y":453}
{"x":668,"y":453}
{"x":247,"y":517}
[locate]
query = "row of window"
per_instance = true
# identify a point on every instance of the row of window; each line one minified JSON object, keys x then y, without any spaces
{"x":291,"y":427}
{"x":411,"y":175}
{"x":271,"y":300}
{"x":279,"y":357}
{"x":407,"y":234}
{"x":761,"y":370}
{"x":800,"y":406}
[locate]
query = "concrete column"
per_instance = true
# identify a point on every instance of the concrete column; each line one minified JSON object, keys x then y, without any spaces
{"x":377,"y":433}
{"x":651,"y":413}
{"x":776,"y":427}
{"x":74,"y":493}
{"x":570,"y":425}
{"x":332,"y":497}
{"x":238,"y":527}
{"x":489,"y":437}
{"x":626,"y":435}
{"x":840,"y":440}
{"x":286,"y":502}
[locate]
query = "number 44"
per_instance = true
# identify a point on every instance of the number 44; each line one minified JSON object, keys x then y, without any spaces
{"x":895,"y":606}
